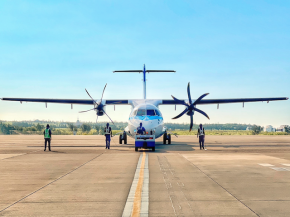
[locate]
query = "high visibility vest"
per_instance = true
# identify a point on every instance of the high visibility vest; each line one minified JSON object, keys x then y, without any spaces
{"x":107,"y":131}
{"x":201,"y":131}
{"x":46,"y":134}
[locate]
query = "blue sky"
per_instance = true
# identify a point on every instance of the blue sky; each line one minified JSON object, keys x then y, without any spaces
{"x":230,"y":49}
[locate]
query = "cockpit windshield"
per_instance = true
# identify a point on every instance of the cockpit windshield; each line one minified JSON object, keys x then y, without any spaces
{"x":140,"y":112}
{"x":148,"y":112}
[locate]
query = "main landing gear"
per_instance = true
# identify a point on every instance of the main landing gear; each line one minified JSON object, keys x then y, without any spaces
{"x":123,"y":137}
{"x":166,"y":137}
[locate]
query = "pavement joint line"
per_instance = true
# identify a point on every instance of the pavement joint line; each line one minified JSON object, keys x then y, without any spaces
{"x":50,"y":183}
{"x":180,"y":186}
{"x":221,"y":186}
{"x":137,"y":203}
{"x":20,"y":155}
{"x":170,"y":193}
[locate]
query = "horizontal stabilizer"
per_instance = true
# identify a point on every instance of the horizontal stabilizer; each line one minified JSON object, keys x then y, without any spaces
{"x":139,"y":71}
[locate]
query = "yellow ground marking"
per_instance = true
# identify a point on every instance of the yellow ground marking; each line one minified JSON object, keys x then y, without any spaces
{"x":138,"y":192}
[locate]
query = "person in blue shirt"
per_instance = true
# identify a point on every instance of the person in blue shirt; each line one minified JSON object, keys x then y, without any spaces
{"x":141,"y":130}
{"x":108,"y":134}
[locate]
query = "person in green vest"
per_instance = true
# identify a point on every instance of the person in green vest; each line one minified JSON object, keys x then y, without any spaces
{"x":47,"y":137}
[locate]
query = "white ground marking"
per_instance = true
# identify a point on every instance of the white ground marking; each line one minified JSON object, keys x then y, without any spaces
{"x":5,"y":156}
{"x":266,"y":165}
{"x":280,"y":169}
{"x":287,"y":165}
{"x":144,"y":211}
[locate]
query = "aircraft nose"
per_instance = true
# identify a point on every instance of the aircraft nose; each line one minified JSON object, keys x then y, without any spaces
{"x":149,"y":125}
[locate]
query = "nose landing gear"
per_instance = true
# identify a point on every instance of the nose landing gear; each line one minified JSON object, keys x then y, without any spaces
{"x":166,"y":137}
{"x":123,"y":137}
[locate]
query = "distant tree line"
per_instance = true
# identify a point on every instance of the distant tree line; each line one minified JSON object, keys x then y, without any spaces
{"x":66,"y":128}
{"x":185,"y":126}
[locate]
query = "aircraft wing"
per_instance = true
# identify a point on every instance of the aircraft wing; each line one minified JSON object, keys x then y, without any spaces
{"x":221,"y":101}
{"x":68,"y":101}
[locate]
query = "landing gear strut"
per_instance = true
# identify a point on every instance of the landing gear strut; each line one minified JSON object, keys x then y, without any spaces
{"x":123,"y":137}
{"x":166,"y":137}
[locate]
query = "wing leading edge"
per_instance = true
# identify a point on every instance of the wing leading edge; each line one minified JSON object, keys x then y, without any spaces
{"x":221,"y":101}
{"x":67,"y":101}
{"x":126,"y":102}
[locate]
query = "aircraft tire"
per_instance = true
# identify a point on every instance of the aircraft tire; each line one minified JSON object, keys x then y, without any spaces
{"x":125,"y":138}
{"x":120,"y":139}
{"x":169,"y":138}
{"x":136,"y":149}
{"x":153,"y":149}
{"x":164,"y":138}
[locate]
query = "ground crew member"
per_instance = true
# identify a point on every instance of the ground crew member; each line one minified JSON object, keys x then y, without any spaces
{"x":108,"y":134}
{"x":141,"y":130}
{"x":201,"y":134}
{"x":47,"y":137}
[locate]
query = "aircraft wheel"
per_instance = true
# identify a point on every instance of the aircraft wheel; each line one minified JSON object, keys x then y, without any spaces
{"x":136,"y":149}
{"x":164,"y":138}
{"x":125,"y":138}
{"x":120,"y":139}
{"x":153,"y":149}
{"x":169,"y":138}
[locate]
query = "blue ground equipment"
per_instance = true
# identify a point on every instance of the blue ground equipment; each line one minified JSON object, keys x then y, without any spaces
{"x":145,"y":142}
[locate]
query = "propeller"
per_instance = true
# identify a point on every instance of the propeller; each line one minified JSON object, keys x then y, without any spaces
{"x":190,"y":107}
{"x":99,"y":106}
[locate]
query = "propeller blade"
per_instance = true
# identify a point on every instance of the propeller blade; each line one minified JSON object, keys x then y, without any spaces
{"x":108,"y":117}
{"x":188,"y":93}
{"x":191,"y":122}
{"x":179,"y":101}
{"x":201,"y":112}
{"x":103,"y":92}
{"x":90,"y":96}
{"x":86,"y":110}
{"x":182,"y":113}
{"x":200,"y":98}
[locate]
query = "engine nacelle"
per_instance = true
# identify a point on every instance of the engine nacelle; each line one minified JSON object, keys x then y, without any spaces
{"x":100,"y":112}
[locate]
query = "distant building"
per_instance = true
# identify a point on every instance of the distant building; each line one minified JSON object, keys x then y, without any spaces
{"x":269,"y":128}
{"x":282,"y":128}
{"x":249,"y":128}
{"x":78,"y":123}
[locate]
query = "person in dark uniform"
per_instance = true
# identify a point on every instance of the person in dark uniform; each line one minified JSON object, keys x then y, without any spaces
{"x":47,"y":137}
{"x":201,"y":135}
{"x":141,"y":130}
{"x":108,"y":134}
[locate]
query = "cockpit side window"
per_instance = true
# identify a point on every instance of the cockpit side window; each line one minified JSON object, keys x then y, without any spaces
{"x":157,"y":113}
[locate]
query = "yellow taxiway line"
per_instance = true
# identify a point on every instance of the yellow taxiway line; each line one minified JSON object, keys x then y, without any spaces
{"x":138,"y":192}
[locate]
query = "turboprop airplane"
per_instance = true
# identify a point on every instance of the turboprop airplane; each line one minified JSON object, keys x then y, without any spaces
{"x":145,"y":110}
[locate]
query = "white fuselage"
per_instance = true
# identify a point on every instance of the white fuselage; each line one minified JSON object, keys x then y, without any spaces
{"x":147,"y":113}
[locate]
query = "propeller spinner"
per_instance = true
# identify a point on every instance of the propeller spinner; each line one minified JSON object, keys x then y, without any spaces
{"x":99,"y":106}
{"x":190,"y":107}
